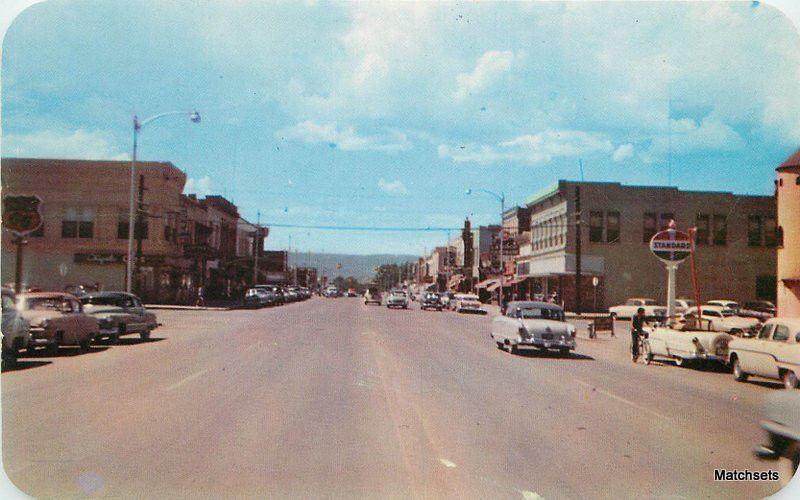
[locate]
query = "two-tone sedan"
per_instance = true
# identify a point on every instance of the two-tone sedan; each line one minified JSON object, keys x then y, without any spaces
{"x":119,"y":313}
{"x":397,"y":298}
{"x":57,"y":319}
{"x":533,"y":325}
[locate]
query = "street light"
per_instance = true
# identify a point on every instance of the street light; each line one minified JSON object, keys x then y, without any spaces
{"x":502,"y":199}
{"x":194,"y":116}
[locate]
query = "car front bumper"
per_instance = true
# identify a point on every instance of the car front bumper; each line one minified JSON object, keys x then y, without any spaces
{"x":546,"y":344}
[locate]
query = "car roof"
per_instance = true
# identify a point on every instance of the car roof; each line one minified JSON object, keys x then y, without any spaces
{"x":715,"y":307}
{"x":722,"y":301}
{"x":533,"y":303}
{"x":47,"y":295}
{"x":793,"y":323}
{"x":108,"y":294}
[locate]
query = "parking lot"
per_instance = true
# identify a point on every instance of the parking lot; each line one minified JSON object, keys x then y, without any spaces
{"x":332,"y":396}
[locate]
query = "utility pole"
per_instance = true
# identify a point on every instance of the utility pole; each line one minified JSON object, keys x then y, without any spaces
{"x":256,"y":249}
{"x":578,"y":250}
{"x":139,"y":233}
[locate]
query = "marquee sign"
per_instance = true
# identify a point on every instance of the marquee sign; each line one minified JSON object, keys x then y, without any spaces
{"x":21,"y":214}
{"x":671,"y":246}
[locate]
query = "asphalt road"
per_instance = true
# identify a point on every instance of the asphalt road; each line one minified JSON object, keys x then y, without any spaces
{"x":331,"y":398}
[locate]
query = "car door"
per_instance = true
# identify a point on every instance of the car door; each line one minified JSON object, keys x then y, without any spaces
{"x":133,"y":314}
{"x":68,"y":322}
{"x":86,"y":325}
{"x":776,"y":348}
{"x":753,"y":358}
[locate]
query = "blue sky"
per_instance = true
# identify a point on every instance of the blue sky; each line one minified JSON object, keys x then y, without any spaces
{"x":383,"y":114}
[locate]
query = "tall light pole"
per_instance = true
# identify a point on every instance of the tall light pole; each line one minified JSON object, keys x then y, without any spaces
{"x":502,"y":199}
{"x":137,"y":126}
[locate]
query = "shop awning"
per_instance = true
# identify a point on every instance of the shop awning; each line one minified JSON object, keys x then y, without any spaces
{"x":513,"y":281}
{"x":494,"y":286}
{"x":487,"y":283}
{"x":455,"y":280}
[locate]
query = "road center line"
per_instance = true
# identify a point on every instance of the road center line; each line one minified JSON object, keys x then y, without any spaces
{"x":187,"y":379}
{"x":622,"y":400}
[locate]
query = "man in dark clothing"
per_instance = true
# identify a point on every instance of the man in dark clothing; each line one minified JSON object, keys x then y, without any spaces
{"x":637,"y":331}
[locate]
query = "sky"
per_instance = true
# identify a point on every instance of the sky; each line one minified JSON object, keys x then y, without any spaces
{"x":384,"y":114}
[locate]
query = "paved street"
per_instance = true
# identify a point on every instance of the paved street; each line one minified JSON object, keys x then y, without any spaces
{"x":333,"y":398}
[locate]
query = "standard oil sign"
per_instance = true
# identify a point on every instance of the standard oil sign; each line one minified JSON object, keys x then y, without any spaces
{"x":671,"y":245}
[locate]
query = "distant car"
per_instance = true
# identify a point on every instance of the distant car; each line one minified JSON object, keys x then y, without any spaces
{"x":258,"y":297}
{"x":724,"y":303}
{"x":119,"y":313}
{"x":351,"y":292}
{"x":628,"y":310}
{"x":278,"y":294}
{"x":397,"y":298}
{"x":759,"y":309}
{"x":719,"y":319}
{"x":57,"y":319}
{"x":15,"y":329}
{"x":681,"y":306}
{"x":774,"y":353}
{"x":446,"y":298}
{"x":782,"y":424}
{"x":331,"y":292}
{"x":431,"y":300}
{"x":373,"y":296}
{"x":467,"y":303}
{"x":538,"y":325}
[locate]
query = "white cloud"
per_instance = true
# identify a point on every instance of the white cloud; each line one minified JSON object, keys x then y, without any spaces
{"x":392,"y":187}
{"x":345,"y":138}
{"x":690,"y":136}
{"x":201,"y":187}
{"x":78,"y":145}
{"x":623,"y":152}
{"x":490,"y":66}
{"x":531,"y":148}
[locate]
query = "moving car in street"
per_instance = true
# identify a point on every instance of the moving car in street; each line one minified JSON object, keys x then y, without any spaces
{"x":119,"y":314}
{"x":782,"y":424}
{"x":686,"y":344}
{"x":331,"y":292}
{"x":15,"y":329}
{"x":759,"y":309}
{"x":627,"y":311}
{"x":373,"y":296}
{"x":446,"y":297}
{"x":467,"y":303}
{"x":719,"y":319}
{"x":397,"y":298}
{"x":431,"y":300}
{"x":57,"y":319}
{"x":538,"y":325}
{"x":774,"y":353}
{"x":351,"y":292}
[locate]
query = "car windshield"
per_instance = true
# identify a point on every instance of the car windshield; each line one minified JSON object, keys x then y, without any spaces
{"x":728,"y":313}
{"x":110,"y":300}
{"x":43,"y":304}
{"x":650,"y":303}
{"x":541,"y":313}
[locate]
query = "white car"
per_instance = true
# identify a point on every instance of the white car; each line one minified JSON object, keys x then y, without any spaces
{"x":682,"y":306}
{"x":721,"y":319}
{"x":538,"y":325}
{"x":782,"y":423}
{"x":628,"y":310}
{"x":684,"y":346}
{"x":15,"y":329}
{"x":725,"y":303}
{"x":466,"y":302}
{"x":397,"y":298}
{"x":774,"y":353}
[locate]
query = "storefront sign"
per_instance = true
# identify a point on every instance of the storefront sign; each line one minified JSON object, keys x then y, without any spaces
{"x":671,"y":245}
{"x":21,"y":213}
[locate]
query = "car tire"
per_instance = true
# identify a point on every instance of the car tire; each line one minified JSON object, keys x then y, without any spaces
{"x":647,"y":353}
{"x":145,"y":335}
{"x":789,"y":379}
{"x":113,"y":338}
{"x":512,"y":349}
{"x":738,"y":374}
{"x":85,"y":345}
{"x":499,"y":345}
{"x":563,"y":351}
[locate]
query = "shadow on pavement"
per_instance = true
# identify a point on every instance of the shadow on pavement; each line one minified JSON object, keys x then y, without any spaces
{"x":535,"y":353}
{"x":129,"y":341}
{"x":24,"y":365}
{"x":61,"y":352}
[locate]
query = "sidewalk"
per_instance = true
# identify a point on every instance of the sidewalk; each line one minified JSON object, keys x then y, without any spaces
{"x":211,"y":305}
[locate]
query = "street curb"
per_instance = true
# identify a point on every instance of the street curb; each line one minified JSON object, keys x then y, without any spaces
{"x":185,"y":308}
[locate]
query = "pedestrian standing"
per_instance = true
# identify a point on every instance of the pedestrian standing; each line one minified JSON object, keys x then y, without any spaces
{"x":637,"y":332}
{"x":201,"y":301}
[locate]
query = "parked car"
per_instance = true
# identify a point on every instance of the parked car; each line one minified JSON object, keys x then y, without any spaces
{"x":15,"y":329}
{"x":725,"y":303}
{"x":446,"y":298}
{"x":782,"y":424}
{"x":397,"y":298}
{"x":258,"y":297}
{"x":351,"y":292}
{"x":305,"y":292}
{"x":430,"y":300}
{"x":681,"y":306}
{"x":57,"y":319}
{"x":466,"y":302}
{"x":774,"y":353}
{"x":372,"y":296}
{"x":719,"y":319}
{"x":331,"y":292}
{"x":628,"y":310}
{"x":119,"y":313}
{"x":759,"y":309}
{"x":686,"y":345}
{"x":528,"y":324}
{"x":278,"y":294}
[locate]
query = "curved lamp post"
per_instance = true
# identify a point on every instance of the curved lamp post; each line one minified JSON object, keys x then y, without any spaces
{"x":502,"y":199}
{"x":194,"y":116}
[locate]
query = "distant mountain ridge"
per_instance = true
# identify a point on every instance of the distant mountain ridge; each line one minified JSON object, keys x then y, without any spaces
{"x":362,"y":267}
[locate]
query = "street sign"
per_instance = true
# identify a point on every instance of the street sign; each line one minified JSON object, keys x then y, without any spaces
{"x":671,"y":245}
{"x":21,"y":213}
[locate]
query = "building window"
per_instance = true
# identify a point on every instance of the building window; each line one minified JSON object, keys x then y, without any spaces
{"x":703,"y":229}
{"x":596,"y":227}
{"x":612,"y":227}
{"x":766,"y":287}
{"x":649,"y":227}
{"x":754,"y":230}
{"x":720,"y":230}
{"x":78,"y":223}
{"x":665,"y":220}
{"x":122,"y":227}
{"x":770,"y":232}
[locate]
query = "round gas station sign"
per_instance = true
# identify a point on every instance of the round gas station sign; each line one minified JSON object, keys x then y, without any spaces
{"x":671,"y":245}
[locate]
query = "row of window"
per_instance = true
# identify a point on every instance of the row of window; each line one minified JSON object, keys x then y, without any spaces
{"x":79,"y":223}
{"x":712,"y":229}
{"x":549,"y":233}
